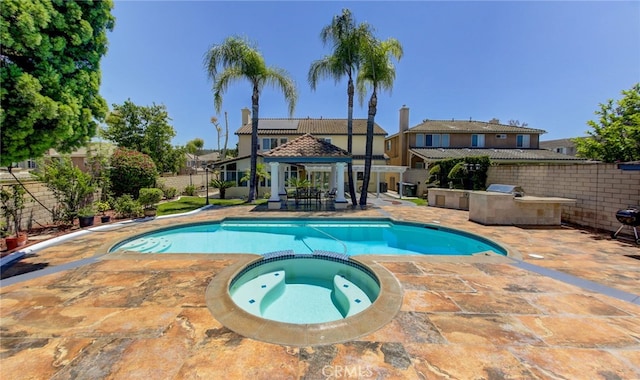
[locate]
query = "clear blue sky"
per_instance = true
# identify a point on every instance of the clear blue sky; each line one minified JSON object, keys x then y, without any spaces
{"x":545,"y":63}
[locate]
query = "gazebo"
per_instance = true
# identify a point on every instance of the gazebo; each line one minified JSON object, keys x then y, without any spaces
{"x":316,"y":155}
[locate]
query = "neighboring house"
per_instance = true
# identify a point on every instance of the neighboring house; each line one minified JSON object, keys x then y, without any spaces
{"x":196,"y":163}
{"x":562,"y":146}
{"x":433,"y":140}
{"x":79,"y":157}
{"x":273,"y":132}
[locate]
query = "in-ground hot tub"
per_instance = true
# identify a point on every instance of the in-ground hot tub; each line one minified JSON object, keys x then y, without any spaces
{"x":304,"y":288}
{"x":304,"y":300}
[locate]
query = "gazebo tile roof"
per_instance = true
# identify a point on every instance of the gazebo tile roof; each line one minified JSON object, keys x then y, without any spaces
{"x":307,"y":146}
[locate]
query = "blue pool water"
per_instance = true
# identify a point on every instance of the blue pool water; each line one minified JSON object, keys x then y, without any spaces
{"x":304,"y":289}
{"x":345,"y":236}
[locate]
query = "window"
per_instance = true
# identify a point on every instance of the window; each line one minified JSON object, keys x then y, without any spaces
{"x":419,"y":165}
{"x":269,"y":143}
{"x":561,"y":150}
{"x":420,"y":140}
{"x":522,"y":141}
{"x":501,"y":136}
{"x":388,"y":144}
{"x":327,"y":139}
{"x":283,"y":140}
{"x":436,"y":140}
{"x":477,"y":141}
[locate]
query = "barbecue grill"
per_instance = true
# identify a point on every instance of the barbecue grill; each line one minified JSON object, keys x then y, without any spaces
{"x":629,"y":216}
{"x":516,"y":191}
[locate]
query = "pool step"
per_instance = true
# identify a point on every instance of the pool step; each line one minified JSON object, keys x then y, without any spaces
{"x":148,"y":245}
{"x":256,"y":295}
{"x":350,"y":298}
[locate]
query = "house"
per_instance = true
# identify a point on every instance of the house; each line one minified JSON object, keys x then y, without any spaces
{"x":562,"y":146}
{"x":195,"y":162}
{"x":276,"y":132}
{"x":433,"y":140}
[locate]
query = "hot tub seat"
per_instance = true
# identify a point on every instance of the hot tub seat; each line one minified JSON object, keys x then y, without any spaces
{"x":256,"y":295}
{"x":350,"y":299}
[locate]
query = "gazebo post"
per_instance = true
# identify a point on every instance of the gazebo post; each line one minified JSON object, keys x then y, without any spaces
{"x":340,"y":203}
{"x":274,"y":199}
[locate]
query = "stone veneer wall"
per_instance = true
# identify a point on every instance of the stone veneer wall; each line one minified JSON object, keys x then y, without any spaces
{"x":600,"y":189}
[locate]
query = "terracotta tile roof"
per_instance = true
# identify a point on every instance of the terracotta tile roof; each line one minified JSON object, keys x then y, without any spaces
{"x":536,"y":155}
{"x":466,"y":126}
{"x":551,"y":144}
{"x":314,"y":126}
{"x":306,"y":146}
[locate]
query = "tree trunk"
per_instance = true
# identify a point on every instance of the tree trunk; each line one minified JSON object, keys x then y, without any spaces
{"x":373,"y":102}
{"x":254,"y":143}
{"x":352,"y":188}
{"x":226,"y":136}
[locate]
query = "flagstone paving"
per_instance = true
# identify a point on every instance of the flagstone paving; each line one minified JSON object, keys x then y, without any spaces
{"x":145,"y":316}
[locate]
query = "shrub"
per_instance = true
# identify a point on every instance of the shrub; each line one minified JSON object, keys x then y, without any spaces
{"x":86,"y":211}
{"x":131,"y":171}
{"x":190,"y":190}
{"x":102,"y":207}
{"x":170,"y":192}
{"x":127,"y":207}
{"x":72,"y":188}
{"x":148,"y":197}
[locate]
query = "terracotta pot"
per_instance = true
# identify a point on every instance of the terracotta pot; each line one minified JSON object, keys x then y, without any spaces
{"x":150,"y":212}
{"x":16,"y":241}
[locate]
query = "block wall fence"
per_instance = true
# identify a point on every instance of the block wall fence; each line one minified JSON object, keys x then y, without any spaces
{"x":600,"y":189}
{"x":36,"y":214}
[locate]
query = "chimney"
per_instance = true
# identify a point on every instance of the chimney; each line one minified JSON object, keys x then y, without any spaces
{"x":246,"y":116}
{"x":404,"y":118}
{"x":403,"y":146}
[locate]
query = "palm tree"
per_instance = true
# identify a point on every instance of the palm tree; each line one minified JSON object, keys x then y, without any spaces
{"x":376,"y":71}
{"x":347,"y":40}
{"x":194,"y":147}
{"x":261,"y":174}
{"x":238,"y":59}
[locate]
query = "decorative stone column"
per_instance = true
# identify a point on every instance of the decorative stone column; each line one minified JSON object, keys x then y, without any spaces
{"x":274,"y":199}
{"x":340,"y":202}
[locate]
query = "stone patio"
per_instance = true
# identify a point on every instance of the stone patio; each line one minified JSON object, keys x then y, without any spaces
{"x":568,"y":309}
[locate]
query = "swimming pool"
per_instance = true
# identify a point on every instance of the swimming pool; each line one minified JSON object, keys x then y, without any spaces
{"x":305,"y":235}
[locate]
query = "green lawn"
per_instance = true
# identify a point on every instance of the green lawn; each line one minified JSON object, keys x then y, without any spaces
{"x":186,"y":204}
{"x":418,"y":201}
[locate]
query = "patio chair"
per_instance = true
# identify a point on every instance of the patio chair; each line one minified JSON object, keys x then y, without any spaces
{"x":331,"y":194}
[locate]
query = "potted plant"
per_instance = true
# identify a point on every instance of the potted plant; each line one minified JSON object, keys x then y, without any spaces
{"x":148,"y":198}
{"x":86,"y":216}
{"x":103,"y":207}
{"x":12,"y":200}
